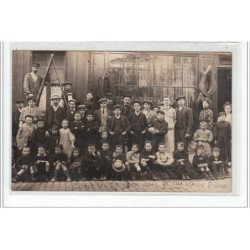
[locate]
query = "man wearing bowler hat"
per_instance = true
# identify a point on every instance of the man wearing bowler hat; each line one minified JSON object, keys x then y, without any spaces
{"x":32,"y":81}
{"x":184,"y":121}
{"x":54,"y":114}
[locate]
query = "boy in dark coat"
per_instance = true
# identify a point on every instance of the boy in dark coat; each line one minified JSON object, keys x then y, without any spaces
{"x":91,"y":130}
{"x":72,"y":110}
{"x":201,"y":164}
{"x":118,"y":127}
{"x":52,"y":139}
{"x":77,"y":128}
{"x":138,"y":123}
{"x":76,"y":164}
{"x":39,"y":136}
{"x":106,"y":156}
{"x":216,"y":164}
{"x":157,"y":129}
{"x":40,"y":165}
{"x":118,"y":166}
{"x":92,"y":163}
{"x":59,"y":162}
{"x":23,"y":163}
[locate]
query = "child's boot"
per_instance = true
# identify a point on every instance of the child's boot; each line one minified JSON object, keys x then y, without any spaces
{"x":211,"y":177}
{"x":33,"y":177}
{"x":55,"y":176}
{"x":15,"y":179}
{"x":187,"y":177}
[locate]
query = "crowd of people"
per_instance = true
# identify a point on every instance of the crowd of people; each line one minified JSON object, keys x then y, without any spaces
{"x":130,"y":140}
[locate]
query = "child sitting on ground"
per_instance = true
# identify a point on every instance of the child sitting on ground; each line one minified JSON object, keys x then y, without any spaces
{"x":201,"y":163}
{"x":216,"y":164}
{"x":75,"y":164}
{"x":23,"y":163}
{"x":41,"y":164}
{"x":59,"y":162}
{"x":148,"y":157}
{"x":133,"y":162}
{"x":118,"y":166}
{"x":164,"y":162}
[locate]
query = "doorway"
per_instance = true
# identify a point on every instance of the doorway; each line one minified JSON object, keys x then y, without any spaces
{"x":224,"y":80}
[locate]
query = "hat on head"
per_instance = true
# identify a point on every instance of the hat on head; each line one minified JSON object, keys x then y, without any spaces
{"x":89,"y":112}
{"x":216,"y":149}
{"x":161,"y":112}
{"x":40,"y":120}
{"x":31,"y":98}
{"x":147,"y":101}
{"x":72,"y":100}
{"x":35,"y":65}
{"x":118,"y":166}
{"x":60,"y":146}
{"x":82,"y":106}
{"x":117,"y":106}
{"x":180,"y":97}
{"x":136,"y":101}
{"x":55,"y":97}
{"x":102,"y":100}
{"x":67,"y":83}
{"x":89,"y":92}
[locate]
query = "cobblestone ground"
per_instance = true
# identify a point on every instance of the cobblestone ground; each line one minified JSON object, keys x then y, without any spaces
{"x":223,"y":186}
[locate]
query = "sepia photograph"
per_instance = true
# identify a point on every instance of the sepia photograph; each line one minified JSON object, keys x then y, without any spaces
{"x":127,"y":121}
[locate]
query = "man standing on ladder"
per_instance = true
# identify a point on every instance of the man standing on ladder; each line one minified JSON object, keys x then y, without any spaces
{"x":32,"y":82}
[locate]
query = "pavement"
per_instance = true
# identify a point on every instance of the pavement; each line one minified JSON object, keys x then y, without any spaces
{"x":222,"y":186}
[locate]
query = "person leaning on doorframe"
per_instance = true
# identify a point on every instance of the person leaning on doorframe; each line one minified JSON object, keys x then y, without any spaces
{"x":32,"y":82}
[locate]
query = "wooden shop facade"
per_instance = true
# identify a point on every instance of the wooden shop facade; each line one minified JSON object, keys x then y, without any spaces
{"x":143,"y":75}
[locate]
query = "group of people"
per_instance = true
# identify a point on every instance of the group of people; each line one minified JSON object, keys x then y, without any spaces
{"x":108,"y":141}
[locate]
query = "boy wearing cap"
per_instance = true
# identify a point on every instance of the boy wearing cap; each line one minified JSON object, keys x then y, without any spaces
{"x":216,"y":164}
{"x":184,"y":121}
{"x":16,"y":116}
{"x":32,"y":82}
{"x":102,"y":115}
{"x":158,"y":129}
{"x":118,"y":127}
{"x":201,"y":164}
{"x":72,"y":110}
{"x":59,"y":162}
{"x":138,"y":123}
{"x":54,"y":114}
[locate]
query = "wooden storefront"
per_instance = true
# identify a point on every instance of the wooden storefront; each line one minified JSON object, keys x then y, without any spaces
{"x":149,"y":75}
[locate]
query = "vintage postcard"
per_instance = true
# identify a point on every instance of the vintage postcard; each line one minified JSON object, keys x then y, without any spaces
{"x":127,"y":121}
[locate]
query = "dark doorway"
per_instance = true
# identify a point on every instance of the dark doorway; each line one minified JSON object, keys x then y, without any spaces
{"x":224,"y":87}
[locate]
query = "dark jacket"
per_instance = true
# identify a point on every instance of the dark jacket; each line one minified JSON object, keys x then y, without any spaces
{"x":200,"y":159}
{"x":125,"y":123}
{"x":62,"y":157}
{"x":24,"y":160}
{"x":53,"y":117}
{"x":188,"y":119}
{"x":97,"y":114}
{"x":70,"y":116}
{"x":31,"y":87}
{"x":162,"y":126}
{"x":38,"y":137}
{"x":177,"y":155}
{"x":137,"y":123}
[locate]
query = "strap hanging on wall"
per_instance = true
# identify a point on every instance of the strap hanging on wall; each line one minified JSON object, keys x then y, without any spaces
{"x":205,"y":85}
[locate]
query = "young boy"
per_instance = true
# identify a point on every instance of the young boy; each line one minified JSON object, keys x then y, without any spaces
{"x":23,"y":163}
{"x":148,"y":157}
{"x":133,"y":162}
{"x":201,"y":163}
{"x":52,"y":139}
{"x":39,"y":136}
{"x":91,"y":130}
{"x":77,"y":128}
{"x":118,"y":127}
{"x":92,"y":163}
{"x":72,"y":110}
{"x":24,"y":134}
{"x":106,"y":156}
{"x":164,"y":161}
{"x":59,"y":162}
{"x":118,"y":166}
{"x":216,"y":164}
{"x":41,"y":164}
{"x":158,"y":129}
{"x":76,"y":163}
{"x":204,"y":136}
{"x":182,"y":165}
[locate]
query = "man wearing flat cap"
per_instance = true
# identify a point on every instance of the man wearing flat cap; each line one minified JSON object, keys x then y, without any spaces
{"x":32,"y":81}
{"x":67,"y":91}
{"x":184,"y":121}
{"x":54,"y":114}
{"x":102,"y":115}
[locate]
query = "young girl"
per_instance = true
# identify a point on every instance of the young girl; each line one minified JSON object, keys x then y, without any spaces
{"x":206,"y":113}
{"x":67,"y":139}
{"x":228,"y":109}
{"x":24,"y":134}
{"x":75,"y":163}
{"x":204,"y":136}
{"x":31,"y":109}
{"x":133,"y":162}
